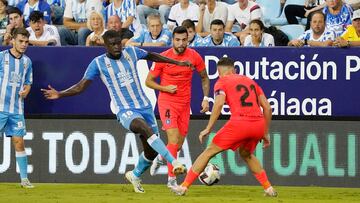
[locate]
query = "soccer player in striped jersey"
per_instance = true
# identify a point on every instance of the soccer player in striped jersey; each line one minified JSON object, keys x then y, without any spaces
{"x":248,"y":125}
{"x":15,"y":81}
{"x":117,"y":70}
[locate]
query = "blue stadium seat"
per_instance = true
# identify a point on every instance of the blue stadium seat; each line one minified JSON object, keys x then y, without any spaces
{"x":269,"y":8}
{"x":281,"y":20}
{"x":293,"y":31}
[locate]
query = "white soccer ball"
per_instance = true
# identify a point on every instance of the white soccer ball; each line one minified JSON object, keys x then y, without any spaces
{"x":210,"y":175}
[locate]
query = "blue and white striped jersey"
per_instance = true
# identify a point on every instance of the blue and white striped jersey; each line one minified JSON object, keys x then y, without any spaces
{"x":327,"y":35}
{"x":229,"y":40}
{"x":339,"y":22}
{"x":127,"y":9}
{"x":121,"y":78}
{"x":14,"y":74}
{"x":165,"y":36}
{"x":196,"y":41}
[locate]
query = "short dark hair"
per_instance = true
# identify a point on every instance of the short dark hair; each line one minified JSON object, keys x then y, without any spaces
{"x":258,"y":22}
{"x":110,"y":34}
{"x":12,"y":9}
{"x":317,"y":12}
{"x":188,"y":24}
{"x":217,"y":22}
{"x":19,"y":31}
{"x":35,"y":16}
{"x":180,"y":30}
{"x":225,"y":61}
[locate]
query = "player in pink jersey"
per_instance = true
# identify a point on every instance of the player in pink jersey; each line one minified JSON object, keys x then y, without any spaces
{"x":175,"y":93}
{"x":248,"y":125}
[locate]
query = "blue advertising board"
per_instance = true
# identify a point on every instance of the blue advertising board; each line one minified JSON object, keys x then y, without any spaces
{"x":297,"y":81}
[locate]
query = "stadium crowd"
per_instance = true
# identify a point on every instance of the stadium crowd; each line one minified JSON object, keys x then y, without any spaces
{"x":250,"y":23}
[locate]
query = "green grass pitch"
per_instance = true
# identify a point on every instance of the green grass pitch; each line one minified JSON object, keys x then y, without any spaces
{"x":122,"y":193}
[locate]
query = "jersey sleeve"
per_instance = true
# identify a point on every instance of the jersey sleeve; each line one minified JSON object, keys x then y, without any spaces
{"x":219,"y":88}
{"x":92,"y":71}
{"x":199,"y":62}
{"x":156,"y":70}
{"x":171,"y":20}
{"x":28,"y":74}
{"x":140,"y":53}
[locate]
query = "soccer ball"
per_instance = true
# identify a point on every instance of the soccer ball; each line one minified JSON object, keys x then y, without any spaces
{"x":210,"y":175}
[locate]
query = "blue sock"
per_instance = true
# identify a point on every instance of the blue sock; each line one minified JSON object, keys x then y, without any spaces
{"x":142,"y":165}
{"x":21,"y":159}
{"x":158,"y":145}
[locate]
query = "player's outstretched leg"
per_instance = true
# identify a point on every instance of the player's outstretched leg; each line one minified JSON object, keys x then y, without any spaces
{"x":258,"y":172}
{"x":198,"y":166}
{"x":139,"y":125}
{"x":22,"y":161}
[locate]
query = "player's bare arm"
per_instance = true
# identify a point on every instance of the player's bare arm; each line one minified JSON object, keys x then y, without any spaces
{"x":205,"y":83}
{"x":151,"y":83}
{"x":264,"y":103}
{"x":152,"y":56}
{"x":216,"y":111}
{"x":52,"y":93}
{"x":25,"y":91}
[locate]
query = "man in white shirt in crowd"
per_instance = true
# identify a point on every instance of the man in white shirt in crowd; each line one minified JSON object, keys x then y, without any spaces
{"x":42,"y":34}
{"x":317,"y":35}
{"x":182,"y":11}
{"x":242,"y":13}
{"x":209,"y":11}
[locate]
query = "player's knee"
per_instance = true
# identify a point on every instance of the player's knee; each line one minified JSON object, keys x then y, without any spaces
{"x":18,"y":144}
{"x":139,"y":125}
{"x":245,"y":155}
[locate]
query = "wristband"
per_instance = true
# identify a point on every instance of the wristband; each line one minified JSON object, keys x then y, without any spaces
{"x":206,"y":98}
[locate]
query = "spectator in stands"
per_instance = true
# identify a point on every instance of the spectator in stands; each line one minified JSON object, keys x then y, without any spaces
{"x":154,"y":35}
{"x":126,"y":10}
{"x":57,"y":11}
{"x":218,"y":37}
{"x":13,"y":2}
{"x":97,"y":25}
{"x":42,"y":34}
{"x":338,"y":16}
{"x":3,"y":18}
{"x":193,"y":38}
{"x":355,"y":4}
{"x":318,"y":35}
{"x":114,"y":23}
{"x":242,"y":12}
{"x":28,"y":6}
{"x":148,"y":7}
{"x":351,"y":37}
{"x":182,"y":11}
{"x":16,"y":20}
{"x":305,"y":11}
{"x":76,"y":13}
{"x":257,"y":37}
{"x":209,"y":11}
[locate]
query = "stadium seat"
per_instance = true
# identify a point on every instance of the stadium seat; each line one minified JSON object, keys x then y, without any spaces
{"x":281,"y":20}
{"x":269,"y":9}
{"x":293,"y":31}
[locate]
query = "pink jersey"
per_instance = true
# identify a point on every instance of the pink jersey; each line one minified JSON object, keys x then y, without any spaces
{"x":181,"y":76}
{"x":241,"y":95}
